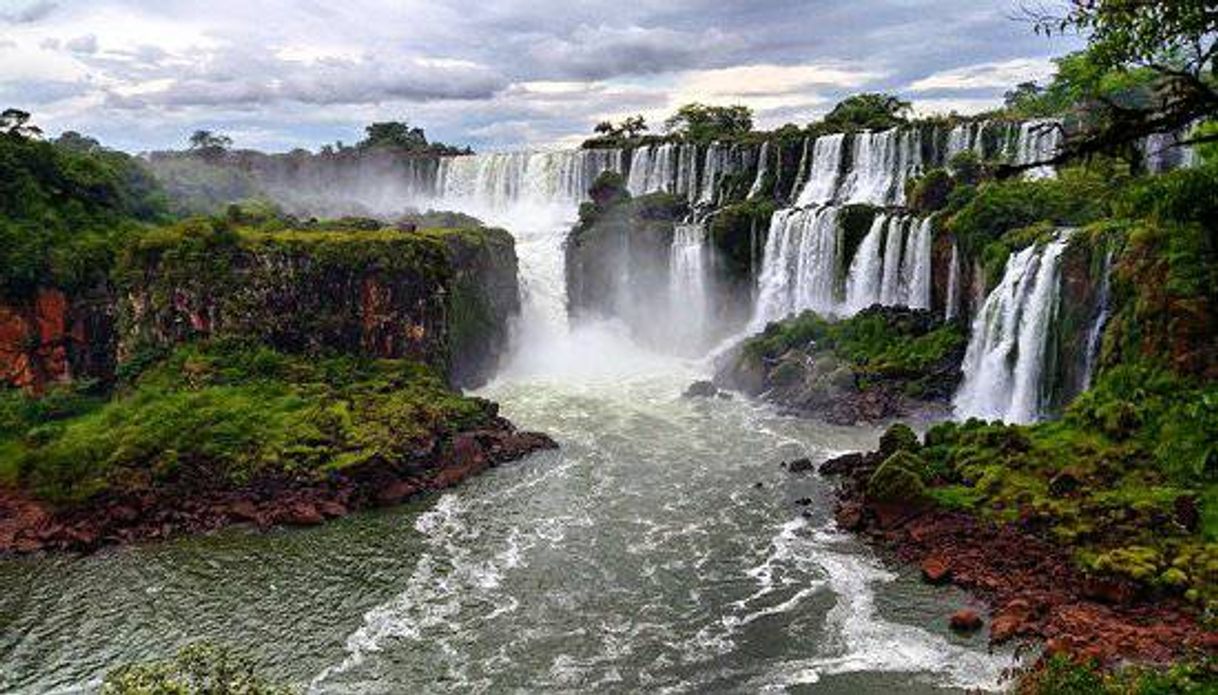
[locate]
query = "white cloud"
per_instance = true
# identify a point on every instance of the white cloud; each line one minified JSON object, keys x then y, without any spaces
{"x":986,"y":75}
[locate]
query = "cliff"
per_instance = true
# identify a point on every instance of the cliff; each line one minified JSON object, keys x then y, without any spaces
{"x":443,"y":297}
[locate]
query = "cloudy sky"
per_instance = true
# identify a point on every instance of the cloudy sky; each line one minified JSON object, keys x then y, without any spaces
{"x":495,"y":74}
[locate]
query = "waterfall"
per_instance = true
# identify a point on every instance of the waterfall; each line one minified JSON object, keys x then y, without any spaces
{"x":803,"y":257}
{"x":1038,"y":141}
{"x":689,"y":282}
{"x":711,"y":172}
{"x":953,"y":285}
{"x":821,"y":186}
{"x":801,"y":171}
{"x":867,"y":268}
{"x":763,"y":168}
{"x":1096,"y":333}
{"x":1005,"y":360}
{"x":881,"y":163}
{"x":799,"y":268}
{"x":476,"y":183}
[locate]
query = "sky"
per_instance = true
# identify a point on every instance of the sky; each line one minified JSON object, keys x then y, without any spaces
{"x":493,"y":74}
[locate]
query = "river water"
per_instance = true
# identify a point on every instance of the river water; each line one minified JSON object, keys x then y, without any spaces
{"x":662,"y":549}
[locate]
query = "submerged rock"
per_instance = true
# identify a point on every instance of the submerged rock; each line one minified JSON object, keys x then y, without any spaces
{"x":701,"y":389}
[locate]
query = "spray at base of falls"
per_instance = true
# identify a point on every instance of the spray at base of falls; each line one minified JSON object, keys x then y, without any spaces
{"x":1005,"y":362}
{"x":689,"y":290}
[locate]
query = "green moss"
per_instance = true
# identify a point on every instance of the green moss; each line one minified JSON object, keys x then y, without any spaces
{"x":898,"y":480}
{"x":738,"y":234}
{"x":196,"y":669}
{"x":223,"y":414}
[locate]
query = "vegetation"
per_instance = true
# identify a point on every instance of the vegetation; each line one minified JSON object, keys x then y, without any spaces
{"x":400,"y":136}
{"x":880,"y":345}
{"x":702,"y":123}
{"x":199,"y":669}
{"x":65,"y":207}
{"x":1061,"y":675}
{"x":868,"y":112}
{"x":225,"y":413}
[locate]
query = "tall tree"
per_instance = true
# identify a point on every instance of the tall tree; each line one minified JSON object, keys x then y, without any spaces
{"x":871,"y":111}
{"x":701,"y":122}
{"x":16,"y":123}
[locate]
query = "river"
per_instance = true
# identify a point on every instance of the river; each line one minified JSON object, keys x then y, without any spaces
{"x":662,"y":549}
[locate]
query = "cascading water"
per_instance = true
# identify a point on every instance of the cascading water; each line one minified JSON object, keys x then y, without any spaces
{"x":803,"y":260}
{"x":763,"y":169}
{"x":689,"y":290}
{"x":1005,"y":361}
{"x":1095,"y":333}
{"x":1038,"y":141}
{"x":824,"y":171}
{"x":952,"y":309}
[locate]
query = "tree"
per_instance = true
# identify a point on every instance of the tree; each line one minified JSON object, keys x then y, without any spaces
{"x":16,"y":123}
{"x":629,"y":128}
{"x":701,"y":122}
{"x":397,"y":134}
{"x":1175,"y":42}
{"x":210,"y":144}
{"x":869,"y":111}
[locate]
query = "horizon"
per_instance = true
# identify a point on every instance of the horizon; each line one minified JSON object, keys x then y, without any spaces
{"x":141,"y":77}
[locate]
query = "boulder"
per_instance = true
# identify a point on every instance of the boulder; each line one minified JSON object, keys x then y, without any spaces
{"x":800,"y":465}
{"x":936,"y":569}
{"x":965,"y":621}
{"x":701,"y":389}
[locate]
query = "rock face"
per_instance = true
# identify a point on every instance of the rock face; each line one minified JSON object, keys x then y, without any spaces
{"x":617,"y":258}
{"x":54,"y":338}
{"x":824,"y":375}
{"x":444,"y":298}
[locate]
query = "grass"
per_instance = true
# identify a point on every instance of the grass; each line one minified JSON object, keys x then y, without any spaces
{"x":226,"y":413}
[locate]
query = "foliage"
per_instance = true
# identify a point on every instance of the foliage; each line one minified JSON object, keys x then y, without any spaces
{"x":1080,"y":79}
{"x":15,"y":123}
{"x":868,"y":112}
{"x":399,"y":135}
{"x":198,"y":669}
{"x":701,"y":123}
{"x":877,"y":342}
{"x":207,"y":141}
{"x":65,"y":208}
{"x":225,"y":413}
{"x":738,"y":234}
{"x":1061,"y":675}
{"x":627,"y":129}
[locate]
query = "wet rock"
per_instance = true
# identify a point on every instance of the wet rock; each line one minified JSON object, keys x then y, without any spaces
{"x":701,"y":389}
{"x":396,"y":492}
{"x":849,"y":517}
{"x":1108,"y":590}
{"x":844,"y":465}
{"x":758,"y":486}
{"x":801,"y":465}
{"x":965,"y":621}
{"x":803,"y":501}
{"x":301,"y":513}
{"x":936,"y":569}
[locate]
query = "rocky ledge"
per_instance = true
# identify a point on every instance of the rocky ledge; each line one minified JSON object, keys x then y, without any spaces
{"x":29,"y":525}
{"x":881,"y":364}
{"x":1035,"y":590}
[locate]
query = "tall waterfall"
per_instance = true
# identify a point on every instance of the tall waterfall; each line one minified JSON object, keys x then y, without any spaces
{"x":825,"y":169}
{"x":804,"y":257}
{"x":1095,"y":334}
{"x":953,"y":285}
{"x":689,"y":283}
{"x":1005,"y":361}
{"x":763,"y":168}
{"x":800,"y":265}
{"x":881,"y":163}
{"x":495,"y":181}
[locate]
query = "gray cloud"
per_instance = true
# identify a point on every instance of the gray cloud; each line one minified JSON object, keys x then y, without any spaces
{"x":30,"y":13}
{"x":479,"y":72}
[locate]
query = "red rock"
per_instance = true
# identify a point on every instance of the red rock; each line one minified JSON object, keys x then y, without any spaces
{"x":936,"y":569}
{"x":965,"y":620}
{"x":1107,"y":590}
{"x":396,"y":492}
{"x":1003,"y":628}
{"x":301,"y":513}
{"x":245,"y":510}
{"x":849,"y":517}
{"x":332,"y":509}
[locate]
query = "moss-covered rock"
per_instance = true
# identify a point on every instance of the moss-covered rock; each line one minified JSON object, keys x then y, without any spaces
{"x":898,"y":481}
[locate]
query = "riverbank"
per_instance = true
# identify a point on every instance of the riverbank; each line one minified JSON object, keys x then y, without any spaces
{"x":222,"y":433}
